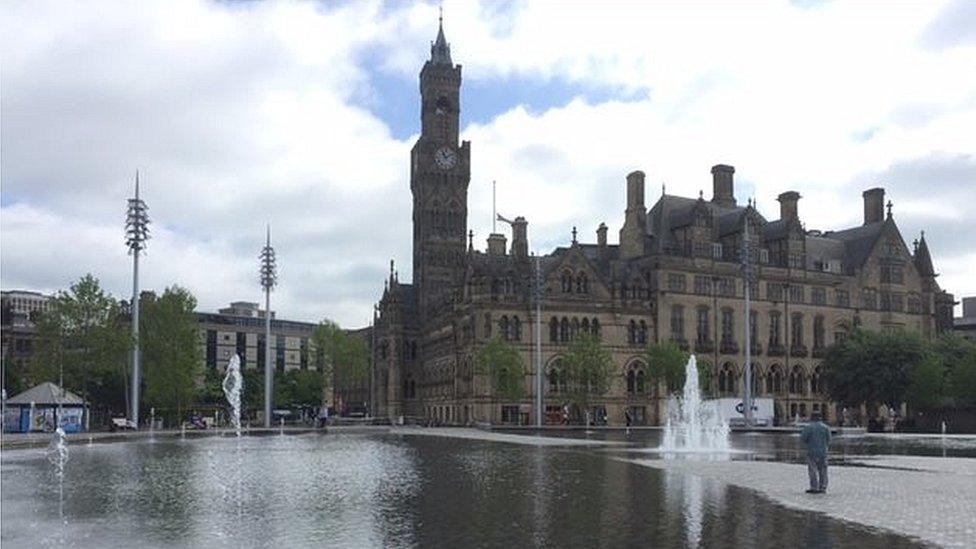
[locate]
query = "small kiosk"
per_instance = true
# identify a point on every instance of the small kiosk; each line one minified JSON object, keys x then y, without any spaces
{"x":37,"y":409}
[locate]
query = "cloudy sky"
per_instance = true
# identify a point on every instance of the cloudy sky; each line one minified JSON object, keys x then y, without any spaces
{"x":302,"y":114}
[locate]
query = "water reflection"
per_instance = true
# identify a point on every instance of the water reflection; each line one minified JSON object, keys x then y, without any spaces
{"x":384,"y":491}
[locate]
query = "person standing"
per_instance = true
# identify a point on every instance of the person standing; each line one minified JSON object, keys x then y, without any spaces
{"x":816,"y":437}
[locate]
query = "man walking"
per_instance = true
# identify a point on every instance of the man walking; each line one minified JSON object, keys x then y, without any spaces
{"x":816,"y":436}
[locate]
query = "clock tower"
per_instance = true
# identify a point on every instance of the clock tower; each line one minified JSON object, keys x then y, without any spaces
{"x":440,"y":169}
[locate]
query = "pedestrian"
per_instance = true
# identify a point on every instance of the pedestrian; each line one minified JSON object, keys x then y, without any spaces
{"x":628,"y":420}
{"x":816,"y":436}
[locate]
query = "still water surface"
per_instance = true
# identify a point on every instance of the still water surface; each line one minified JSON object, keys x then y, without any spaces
{"x":386,"y":491}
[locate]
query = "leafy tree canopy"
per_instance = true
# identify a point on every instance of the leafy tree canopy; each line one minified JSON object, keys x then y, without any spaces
{"x":588,"y":370}
{"x":503,"y":363}
{"x":84,"y":330}
{"x":666,"y":363}
{"x":171,"y":361}
{"x":873,"y":367}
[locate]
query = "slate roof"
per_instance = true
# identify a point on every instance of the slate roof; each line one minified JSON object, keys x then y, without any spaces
{"x":46,"y":394}
{"x":858,"y":241}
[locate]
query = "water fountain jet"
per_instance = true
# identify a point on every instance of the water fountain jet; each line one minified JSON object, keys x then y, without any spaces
{"x":693,"y":425}
{"x":233,"y":386}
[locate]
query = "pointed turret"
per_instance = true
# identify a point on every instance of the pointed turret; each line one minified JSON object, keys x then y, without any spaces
{"x":923,"y":260}
{"x":440,"y":50}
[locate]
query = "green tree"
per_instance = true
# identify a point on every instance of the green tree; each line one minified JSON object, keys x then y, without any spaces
{"x":503,"y":364}
{"x":958,"y":356}
{"x":298,"y":388}
{"x":339,"y":355}
{"x":872,"y":368}
{"x":588,"y":370}
{"x":84,"y":331}
{"x":926,"y":383}
{"x":170,"y":351}
{"x":666,"y":363}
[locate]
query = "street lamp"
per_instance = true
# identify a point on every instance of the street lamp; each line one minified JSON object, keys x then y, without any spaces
{"x":748,"y":275}
{"x":136,"y":234}
{"x":269,"y":278}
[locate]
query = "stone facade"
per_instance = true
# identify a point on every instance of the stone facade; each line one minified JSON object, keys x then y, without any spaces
{"x":676,"y":274}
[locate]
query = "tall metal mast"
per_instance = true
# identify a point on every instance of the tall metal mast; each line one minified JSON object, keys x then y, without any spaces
{"x":538,"y":343}
{"x":269,"y":278}
{"x":748,"y":275}
{"x":136,"y":234}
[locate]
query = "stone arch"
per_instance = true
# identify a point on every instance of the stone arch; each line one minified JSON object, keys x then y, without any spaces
{"x":798,"y":380}
{"x":775,"y":380}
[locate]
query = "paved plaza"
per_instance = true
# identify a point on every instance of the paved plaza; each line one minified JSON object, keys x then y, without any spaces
{"x":928,"y":498}
{"x":931,"y":499}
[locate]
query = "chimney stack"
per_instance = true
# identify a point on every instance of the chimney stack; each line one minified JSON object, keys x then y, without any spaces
{"x":722,"y":185}
{"x":787,"y":205}
{"x":873,"y":205}
{"x":601,"y":236}
{"x":520,"y":240}
{"x":496,"y":244}
{"x":635,"y":218}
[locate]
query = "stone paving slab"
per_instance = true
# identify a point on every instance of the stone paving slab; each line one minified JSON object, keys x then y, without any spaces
{"x":492,"y":436}
{"x":936,"y":505}
{"x":957,"y":466}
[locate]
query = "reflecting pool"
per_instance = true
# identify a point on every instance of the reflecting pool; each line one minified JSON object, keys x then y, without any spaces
{"x":386,"y":490}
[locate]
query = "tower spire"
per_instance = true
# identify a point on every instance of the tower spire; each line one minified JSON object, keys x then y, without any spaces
{"x":440,"y":50}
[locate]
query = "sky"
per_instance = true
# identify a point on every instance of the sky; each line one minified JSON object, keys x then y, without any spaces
{"x":302,"y":114}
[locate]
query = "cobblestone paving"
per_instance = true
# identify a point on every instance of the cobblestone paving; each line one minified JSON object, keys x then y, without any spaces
{"x":936,"y":503}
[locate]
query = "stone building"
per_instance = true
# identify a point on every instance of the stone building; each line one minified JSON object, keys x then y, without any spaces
{"x":675,"y":274}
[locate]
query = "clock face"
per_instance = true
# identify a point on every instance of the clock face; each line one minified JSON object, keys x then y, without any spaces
{"x":445,"y":157}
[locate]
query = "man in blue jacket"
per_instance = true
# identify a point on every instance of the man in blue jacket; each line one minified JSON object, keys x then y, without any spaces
{"x":816,"y":436}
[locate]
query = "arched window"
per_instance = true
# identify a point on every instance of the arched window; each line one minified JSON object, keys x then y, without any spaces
{"x":816,"y":384}
{"x":586,"y":283}
{"x":774,"y":381}
{"x":585,"y":326}
{"x":564,"y":330}
{"x":575,"y":328}
{"x":774,"y":329}
{"x":503,"y":328}
{"x":642,"y":333}
{"x":632,"y":332}
{"x":567,"y":282}
{"x":517,"y":328}
{"x":726,"y":379}
{"x":635,"y":378}
{"x":757,"y":380}
{"x":596,"y":327}
{"x":797,"y":381}
{"x":796,"y":330}
{"x":553,"y":330}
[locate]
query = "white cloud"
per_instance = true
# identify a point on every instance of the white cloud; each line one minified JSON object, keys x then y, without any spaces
{"x":239,"y":114}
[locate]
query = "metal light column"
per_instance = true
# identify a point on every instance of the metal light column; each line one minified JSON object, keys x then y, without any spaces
{"x":747,"y":275}
{"x":538,"y":343}
{"x":268,"y":280}
{"x":137,"y":232}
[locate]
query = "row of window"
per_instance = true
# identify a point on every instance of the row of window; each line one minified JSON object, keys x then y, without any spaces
{"x":774,"y":382}
{"x":703,"y":333}
{"x":579,"y":283}
{"x":565,"y":330}
{"x":240,"y":348}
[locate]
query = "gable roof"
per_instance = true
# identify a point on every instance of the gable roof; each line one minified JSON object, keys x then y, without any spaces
{"x":858,"y":241}
{"x":46,"y":394}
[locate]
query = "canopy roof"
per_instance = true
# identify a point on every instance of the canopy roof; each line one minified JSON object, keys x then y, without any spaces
{"x":46,"y":394}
